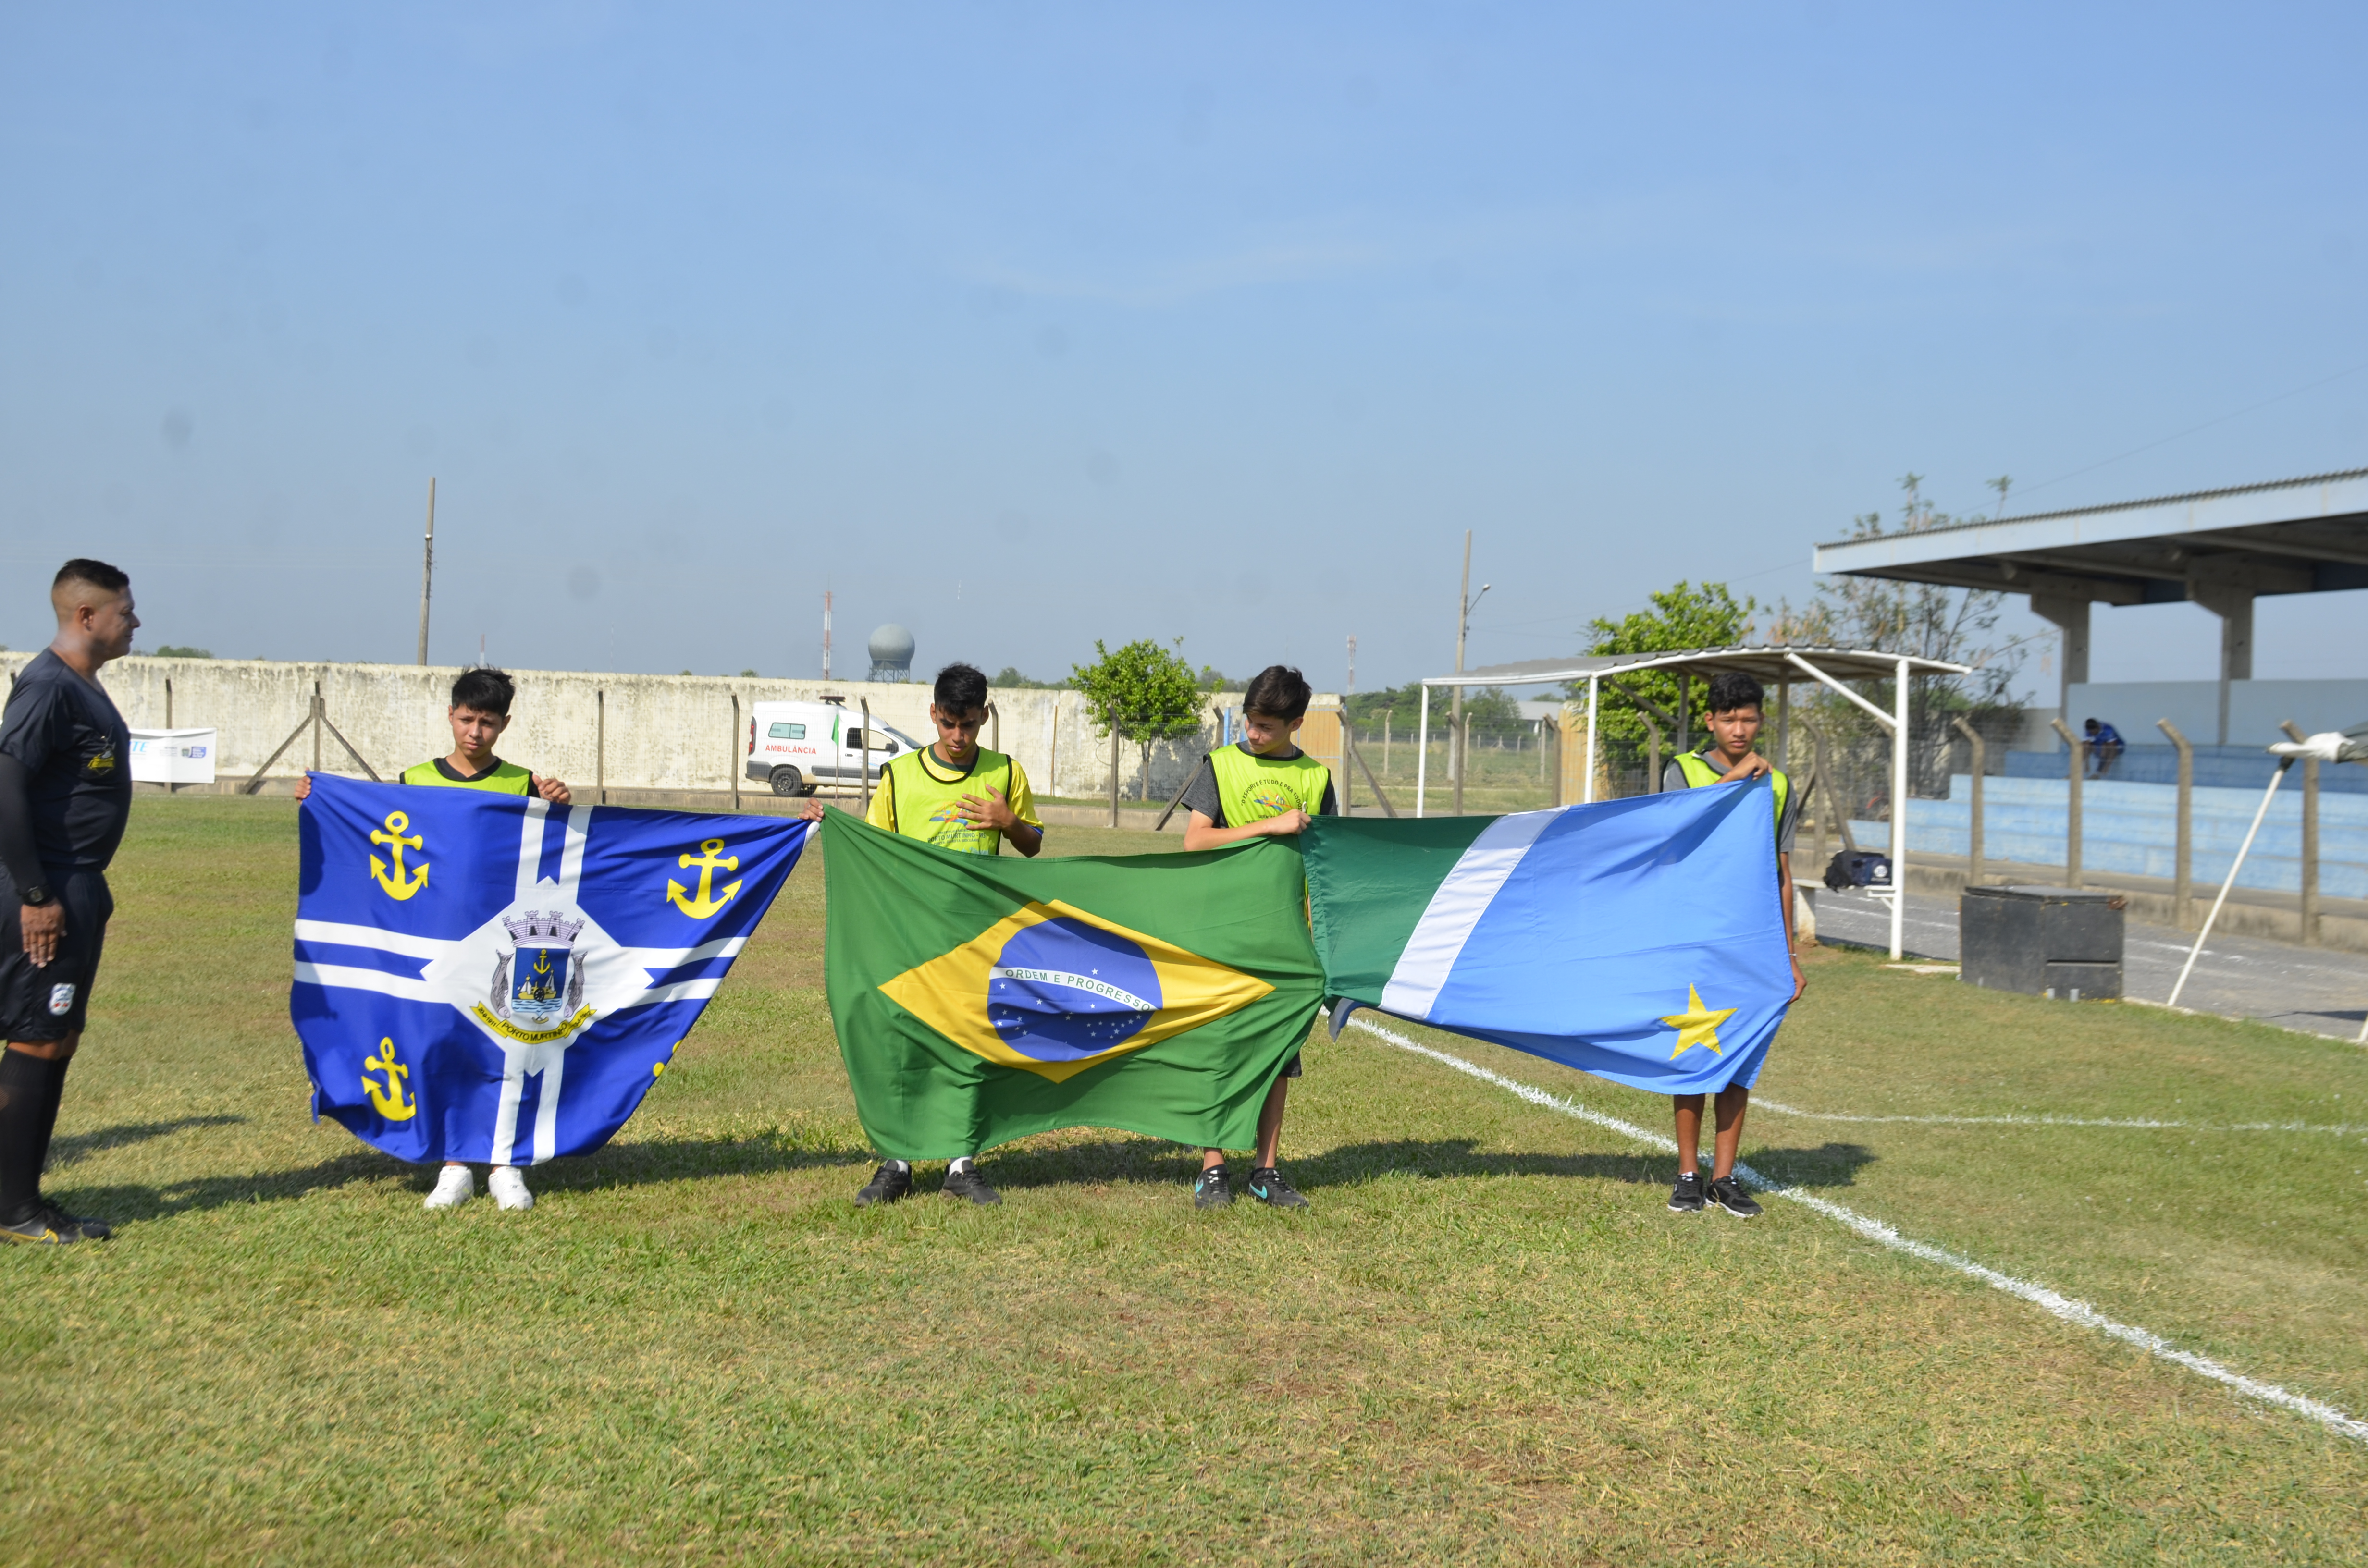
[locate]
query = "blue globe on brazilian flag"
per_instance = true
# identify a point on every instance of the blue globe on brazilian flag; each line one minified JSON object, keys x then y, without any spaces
{"x":980,"y":999}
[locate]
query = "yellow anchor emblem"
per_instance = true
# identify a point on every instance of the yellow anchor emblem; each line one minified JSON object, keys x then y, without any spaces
{"x":391,"y":1102}
{"x":399,"y":884}
{"x":709,"y":857}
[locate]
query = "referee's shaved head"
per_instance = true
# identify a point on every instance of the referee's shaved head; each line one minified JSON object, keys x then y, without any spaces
{"x":84,"y":582}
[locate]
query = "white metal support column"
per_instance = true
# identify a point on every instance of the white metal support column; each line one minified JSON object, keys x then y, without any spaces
{"x":1587,"y":786}
{"x":1422,"y":752}
{"x":1898,"y":808}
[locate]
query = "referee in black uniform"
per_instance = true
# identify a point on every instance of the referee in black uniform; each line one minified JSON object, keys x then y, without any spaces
{"x":65,"y":793}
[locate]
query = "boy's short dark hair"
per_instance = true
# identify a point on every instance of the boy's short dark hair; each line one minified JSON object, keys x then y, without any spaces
{"x":960,"y":689}
{"x":98,"y":573}
{"x":1279,"y":692}
{"x":1732,"y":689}
{"x":486,"y":690}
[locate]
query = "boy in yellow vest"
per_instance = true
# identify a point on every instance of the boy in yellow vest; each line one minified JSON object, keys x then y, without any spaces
{"x":1263,"y":787}
{"x":960,"y":796}
{"x":1734,"y":706}
{"x":479,"y":713}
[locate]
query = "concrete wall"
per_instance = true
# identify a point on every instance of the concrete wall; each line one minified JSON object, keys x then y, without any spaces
{"x":2133,"y":828}
{"x":2255,"y":707}
{"x":662,"y":731}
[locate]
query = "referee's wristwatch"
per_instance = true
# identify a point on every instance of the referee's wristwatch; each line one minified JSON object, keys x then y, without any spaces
{"x":36,"y":895}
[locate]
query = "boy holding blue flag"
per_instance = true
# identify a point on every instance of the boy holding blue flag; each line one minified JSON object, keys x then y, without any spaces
{"x":1264,"y":787}
{"x":480,"y":712}
{"x":959,"y":796}
{"x":1735,"y":716}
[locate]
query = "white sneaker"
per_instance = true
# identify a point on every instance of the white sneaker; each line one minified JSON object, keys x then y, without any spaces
{"x":508,"y":1187}
{"x":453,"y":1189}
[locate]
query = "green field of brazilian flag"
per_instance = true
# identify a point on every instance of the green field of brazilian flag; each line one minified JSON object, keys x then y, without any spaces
{"x":983,"y":998}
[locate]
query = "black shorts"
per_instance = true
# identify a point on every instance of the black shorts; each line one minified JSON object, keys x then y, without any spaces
{"x":1291,"y":1068}
{"x":51,"y":1002}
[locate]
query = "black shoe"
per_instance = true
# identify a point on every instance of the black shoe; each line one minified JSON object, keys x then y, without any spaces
{"x":971,"y":1185}
{"x":1269,"y":1187}
{"x":92,"y":1230}
{"x":1728,"y":1194}
{"x":1686,"y":1198}
{"x":1212,"y":1191}
{"x":47,"y":1226}
{"x":888,"y":1183}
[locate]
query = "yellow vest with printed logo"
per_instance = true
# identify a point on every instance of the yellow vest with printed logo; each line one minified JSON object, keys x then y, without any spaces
{"x":914,"y":801}
{"x":1252,"y":788}
{"x":1699,"y":773}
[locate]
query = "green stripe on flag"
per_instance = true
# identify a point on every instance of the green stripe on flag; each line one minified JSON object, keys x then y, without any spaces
{"x":983,"y":998}
{"x":1370,"y":881}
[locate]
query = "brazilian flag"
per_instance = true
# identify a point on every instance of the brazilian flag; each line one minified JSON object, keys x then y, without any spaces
{"x":981,"y":998}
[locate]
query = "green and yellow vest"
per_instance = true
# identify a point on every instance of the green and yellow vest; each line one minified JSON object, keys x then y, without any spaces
{"x":506,"y":778}
{"x":1252,"y":788}
{"x":916,"y":803}
{"x":1699,"y":773}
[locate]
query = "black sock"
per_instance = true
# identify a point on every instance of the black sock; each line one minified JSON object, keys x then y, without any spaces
{"x":24,"y":1133}
{"x":53,"y":1091}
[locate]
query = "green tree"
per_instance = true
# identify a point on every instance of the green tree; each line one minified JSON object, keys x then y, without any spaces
{"x":1147,"y":691}
{"x":170,"y":652}
{"x":1682,"y":618}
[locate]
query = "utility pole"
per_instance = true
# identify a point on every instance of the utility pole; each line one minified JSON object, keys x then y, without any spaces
{"x":1464,"y":600}
{"x":826,"y":634}
{"x":428,"y":569}
{"x":1352,"y":661}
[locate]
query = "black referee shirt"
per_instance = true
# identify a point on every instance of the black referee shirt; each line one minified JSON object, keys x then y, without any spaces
{"x":76,"y":752}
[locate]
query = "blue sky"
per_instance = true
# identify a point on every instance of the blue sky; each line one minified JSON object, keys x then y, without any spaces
{"x":1026,"y":325}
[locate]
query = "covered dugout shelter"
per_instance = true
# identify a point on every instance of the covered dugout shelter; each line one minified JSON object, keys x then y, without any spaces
{"x":2220,"y":549}
{"x":1775,"y":666}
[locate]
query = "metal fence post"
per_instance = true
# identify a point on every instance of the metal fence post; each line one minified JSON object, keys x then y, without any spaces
{"x":601,"y":746}
{"x":1113,"y":724}
{"x":2183,"y":864}
{"x":735,"y":751}
{"x":1652,"y":753}
{"x":2079,"y":770}
{"x":864,"y":764}
{"x":1974,"y":839}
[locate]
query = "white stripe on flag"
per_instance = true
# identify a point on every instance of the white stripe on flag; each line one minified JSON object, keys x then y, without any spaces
{"x":1455,"y":907}
{"x":571,"y":857}
{"x":385,"y":941}
{"x":537,"y":813}
{"x":408,"y":987}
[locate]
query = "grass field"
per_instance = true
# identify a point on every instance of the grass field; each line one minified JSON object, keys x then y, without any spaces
{"x":1487,"y":1342}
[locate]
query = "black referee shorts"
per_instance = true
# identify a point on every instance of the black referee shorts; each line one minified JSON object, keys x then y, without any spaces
{"x":50,"y":1001}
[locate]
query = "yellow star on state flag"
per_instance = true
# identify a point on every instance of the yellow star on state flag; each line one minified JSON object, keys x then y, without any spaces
{"x":1697,"y":1025}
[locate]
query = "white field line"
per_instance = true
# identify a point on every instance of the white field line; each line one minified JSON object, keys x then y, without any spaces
{"x":2140,"y":1122}
{"x":2040,"y":1296}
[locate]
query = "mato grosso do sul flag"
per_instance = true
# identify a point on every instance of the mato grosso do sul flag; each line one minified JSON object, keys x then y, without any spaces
{"x":496,"y":978}
{"x":981,"y":998}
{"x":1641,"y":940}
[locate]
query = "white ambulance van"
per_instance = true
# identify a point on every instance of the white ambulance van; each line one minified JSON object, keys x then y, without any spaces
{"x":797,"y":746}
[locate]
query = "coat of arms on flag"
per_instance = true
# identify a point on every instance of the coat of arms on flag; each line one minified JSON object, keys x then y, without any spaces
{"x":517,"y":1006}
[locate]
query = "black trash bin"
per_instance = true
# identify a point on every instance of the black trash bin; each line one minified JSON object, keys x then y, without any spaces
{"x":2059,"y":942}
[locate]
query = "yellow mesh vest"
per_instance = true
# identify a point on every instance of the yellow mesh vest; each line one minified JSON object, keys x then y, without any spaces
{"x":924,"y":805}
{"x":1252,"y":788}
{"x":506,"y":778}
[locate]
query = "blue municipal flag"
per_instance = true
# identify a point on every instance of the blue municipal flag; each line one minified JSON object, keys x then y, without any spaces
{"x":495,"y":979}
{"x":1641,"y":940}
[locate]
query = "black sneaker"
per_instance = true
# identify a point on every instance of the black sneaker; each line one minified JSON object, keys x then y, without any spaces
{"x":1269,"y":1187}
{"x":1686,"y":1198}
{"x":971,"y":1185}
{"x":1212,"y":1190}
{"x":1728,"y":1194}
{"x":45,"y":1226}
{"x":92,"y":1230}
{"x":888,"y":1183}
